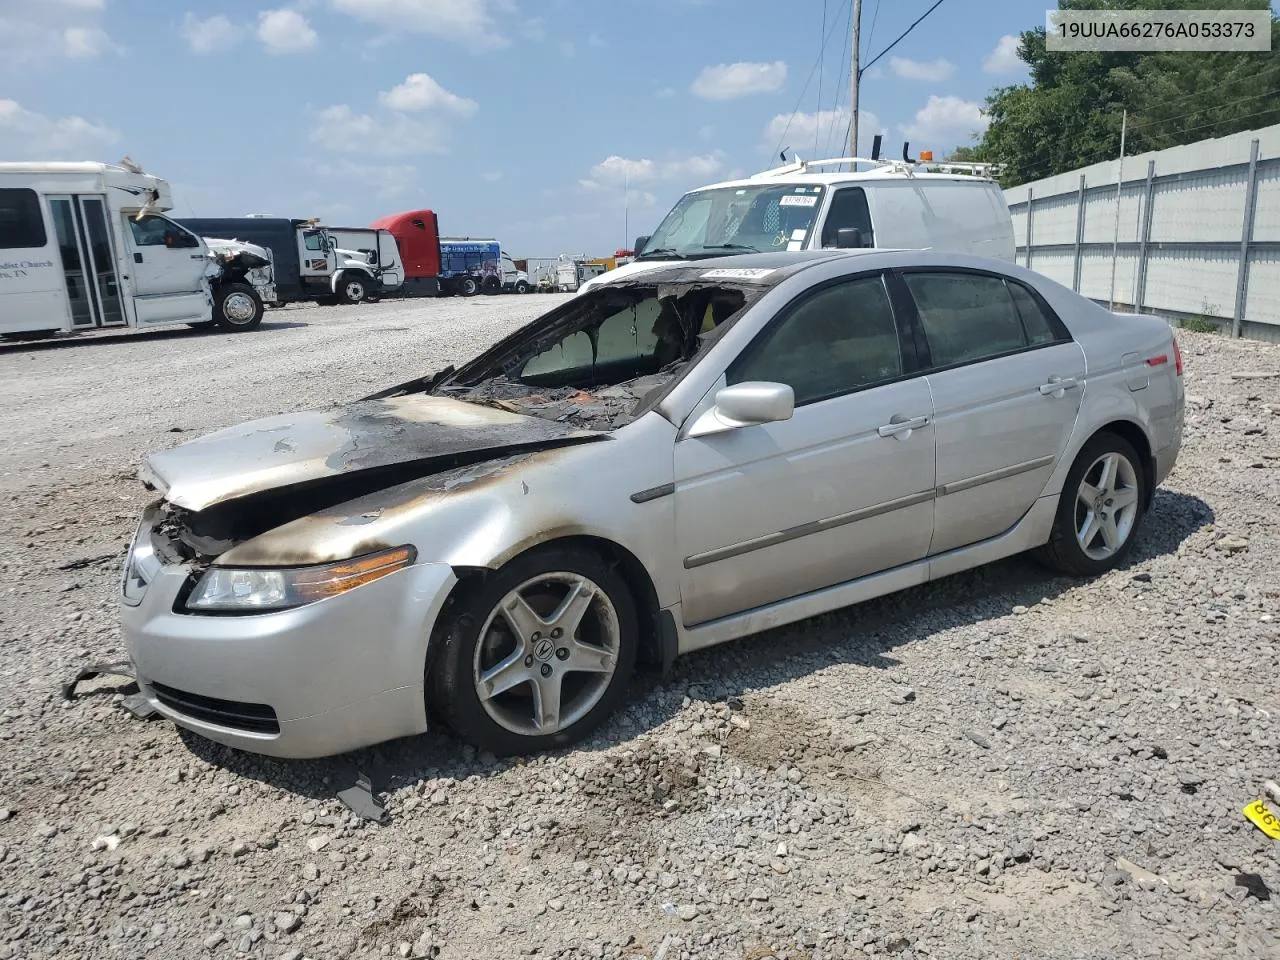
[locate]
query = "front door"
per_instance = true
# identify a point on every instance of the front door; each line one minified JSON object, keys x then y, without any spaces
{"x":169,"y":265}
{"x":841,"y":490}
{"x":88,"y":260}
{"x":1007,"y":380}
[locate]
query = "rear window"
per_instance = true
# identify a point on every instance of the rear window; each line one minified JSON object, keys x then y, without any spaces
{"x":21,"y":222}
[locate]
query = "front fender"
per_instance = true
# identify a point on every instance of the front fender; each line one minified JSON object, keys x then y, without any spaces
{"x":336,"y":279}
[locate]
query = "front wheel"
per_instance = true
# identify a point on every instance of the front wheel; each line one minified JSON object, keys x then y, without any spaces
{"x":1100,"y":510}
{"x":538,"y":654}
{"x":237,"y":306}
{"x":352,"y":288}
{"x":522,"y":287}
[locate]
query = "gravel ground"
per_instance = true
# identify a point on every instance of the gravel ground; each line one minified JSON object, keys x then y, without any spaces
{"x":1000,"y":764}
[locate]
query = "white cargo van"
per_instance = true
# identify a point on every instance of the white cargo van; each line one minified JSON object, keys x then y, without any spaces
{"x":83,"y":245}
{"x":895,"y":204}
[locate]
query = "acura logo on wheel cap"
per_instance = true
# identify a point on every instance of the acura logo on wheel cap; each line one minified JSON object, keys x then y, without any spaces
{"x":544,"y":649}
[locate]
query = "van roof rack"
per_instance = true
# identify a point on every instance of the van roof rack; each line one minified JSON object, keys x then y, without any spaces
{"x":904,"y":167}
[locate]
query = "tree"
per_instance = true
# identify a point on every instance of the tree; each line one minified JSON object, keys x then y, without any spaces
{"x":1069,"y":115}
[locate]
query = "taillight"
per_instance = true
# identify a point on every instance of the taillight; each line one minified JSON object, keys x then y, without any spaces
{"x":1177,"y":357}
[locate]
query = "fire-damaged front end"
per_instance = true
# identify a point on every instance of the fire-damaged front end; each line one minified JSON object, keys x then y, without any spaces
{"x":235,"y":261}
{"x":282,"y":591}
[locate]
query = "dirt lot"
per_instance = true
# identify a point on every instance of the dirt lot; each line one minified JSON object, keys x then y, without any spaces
{"x":1001,"y":764}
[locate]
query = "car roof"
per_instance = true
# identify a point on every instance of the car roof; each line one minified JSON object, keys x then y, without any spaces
{"x":877,"y":175}
{"x":767,"y":268}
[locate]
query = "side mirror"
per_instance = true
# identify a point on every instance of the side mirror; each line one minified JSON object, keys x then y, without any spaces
{"x":639,"y":247}
{"x":848,"y":238}
{"x":746,"y":405}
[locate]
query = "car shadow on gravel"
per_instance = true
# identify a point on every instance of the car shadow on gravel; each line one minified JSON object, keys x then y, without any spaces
{"x":124,"y":335}
{"x":863,"y":636}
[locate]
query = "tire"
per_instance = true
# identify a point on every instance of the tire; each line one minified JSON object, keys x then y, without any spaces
{"x":237,"y":307}
{"x":491,"y":286}
{"x":468,"y":287}
{"x":352,"y":288}
{"x":1064,"y":551}
{"x":522,"y":287}
{"x":475,"y":636}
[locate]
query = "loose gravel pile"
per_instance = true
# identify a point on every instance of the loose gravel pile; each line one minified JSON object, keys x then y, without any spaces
{"x":1004,"y":763}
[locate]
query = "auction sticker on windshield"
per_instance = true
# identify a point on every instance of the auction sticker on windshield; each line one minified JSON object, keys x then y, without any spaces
{"x":1263,"y":819}
{"x":795,"y":200}
{"x":737,"y":273}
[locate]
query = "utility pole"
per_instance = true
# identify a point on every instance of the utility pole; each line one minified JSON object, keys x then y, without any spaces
{"x":1115,"y":240}
{"x":854,"y":77}
{"x":626,"y":208}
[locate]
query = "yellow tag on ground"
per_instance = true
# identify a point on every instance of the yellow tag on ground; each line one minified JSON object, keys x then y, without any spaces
{"x":1263,"y":819}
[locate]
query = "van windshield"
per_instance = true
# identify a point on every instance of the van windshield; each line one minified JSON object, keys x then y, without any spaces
{"x":728,"y":220}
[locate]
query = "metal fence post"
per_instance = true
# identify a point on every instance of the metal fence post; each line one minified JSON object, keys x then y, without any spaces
{"x":1075,"y":274}
{"x":1144,"y":237}
{"x":1246,"y":237}
{"x":1031,"y":193}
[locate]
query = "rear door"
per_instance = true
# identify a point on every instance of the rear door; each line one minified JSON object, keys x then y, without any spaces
{"x":168,"y":265}
{"x":1007,"y":381}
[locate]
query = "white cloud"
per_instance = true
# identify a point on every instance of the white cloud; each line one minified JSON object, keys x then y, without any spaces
{"x":829,"y":129}
{"x":473,"y":22}
{"x":420,"y":92}
{"x":286,"y":31}
{"x":207,"y":36}
{"x":615,"y":171}
{"x":944,"y":122}
{"x":727,"y":81}
{"x":1004,"y":58}
{"x":45,"y":31}
{"x":27,"y":135}
{"x":932,"y":70}
{"x":388,"y":181}
{"x":343,"y":130}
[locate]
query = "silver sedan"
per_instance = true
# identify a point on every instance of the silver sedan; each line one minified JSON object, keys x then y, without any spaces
{"x":668,"y":462}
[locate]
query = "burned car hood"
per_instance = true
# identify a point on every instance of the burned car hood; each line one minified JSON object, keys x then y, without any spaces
{"x":436,"y":433}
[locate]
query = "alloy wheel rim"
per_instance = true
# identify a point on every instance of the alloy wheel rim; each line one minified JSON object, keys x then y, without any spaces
{"x":1106,"y":506}
{"x":547,"y":653}
{"x":238,"y":308}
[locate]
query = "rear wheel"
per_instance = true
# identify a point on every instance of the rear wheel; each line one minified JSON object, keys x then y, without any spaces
{"x":1100,"y":510}
{"x":522,"y":286}
{"x":468,"y":287}
{"x":491,"y":285}
{"x":538,"y":654}
{"x":237,"y":306}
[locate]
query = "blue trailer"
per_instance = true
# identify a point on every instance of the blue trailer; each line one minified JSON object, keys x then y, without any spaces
{"x":469,"y":266}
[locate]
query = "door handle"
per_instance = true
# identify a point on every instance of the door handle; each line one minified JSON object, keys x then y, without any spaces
{"x":197,"y":256}
{"x":137,"y":258}
{"x":900,"y":426}
{"x":1058,"y":386}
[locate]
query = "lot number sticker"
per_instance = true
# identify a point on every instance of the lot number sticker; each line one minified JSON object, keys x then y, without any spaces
{"x":1263,"y":819}
{"x":794,"y":200}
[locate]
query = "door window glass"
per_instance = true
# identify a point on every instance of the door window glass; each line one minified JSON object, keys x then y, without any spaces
{"x":21,"y":222}
{"x":837,"y":340}
{"x":313,"y":241}
{"x":966,"y":316}
{"x":848,"y":209}
{"x":159,"y":232}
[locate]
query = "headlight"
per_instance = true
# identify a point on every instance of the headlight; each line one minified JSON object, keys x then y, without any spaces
{"x":250,"y":589}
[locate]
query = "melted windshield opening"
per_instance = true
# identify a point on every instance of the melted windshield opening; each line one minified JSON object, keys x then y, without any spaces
{"x":599,"y":361}
{"x":729,"y":220}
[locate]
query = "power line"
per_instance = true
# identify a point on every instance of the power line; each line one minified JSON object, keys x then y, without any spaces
{"x":840,"y":80}
{"x":822,"y":46}
{"x":901,"y":37}
{"x":874,"y":16}
{"x":805,"y":89}
{"x":1191,"y":113}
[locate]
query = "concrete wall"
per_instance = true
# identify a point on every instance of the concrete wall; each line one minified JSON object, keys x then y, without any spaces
{"x":1194,"y":232}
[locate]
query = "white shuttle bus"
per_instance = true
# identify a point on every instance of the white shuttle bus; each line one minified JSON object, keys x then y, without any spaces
{"x":84,"y":246}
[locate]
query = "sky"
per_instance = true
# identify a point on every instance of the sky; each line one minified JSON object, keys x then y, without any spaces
{"x":557,"y":126}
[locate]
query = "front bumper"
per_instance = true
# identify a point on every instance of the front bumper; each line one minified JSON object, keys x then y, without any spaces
{"x":335,"y":675}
